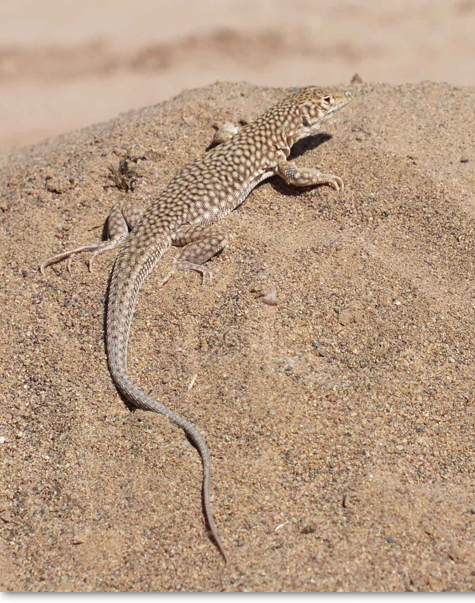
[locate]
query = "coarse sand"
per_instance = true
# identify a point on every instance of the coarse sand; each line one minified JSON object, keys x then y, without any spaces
{"x":340,"y":421}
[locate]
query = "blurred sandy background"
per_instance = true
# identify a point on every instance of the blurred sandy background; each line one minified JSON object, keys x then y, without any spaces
{"x":65,"y":65}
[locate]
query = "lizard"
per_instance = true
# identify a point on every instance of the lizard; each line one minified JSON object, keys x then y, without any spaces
{"x":184,"y":215}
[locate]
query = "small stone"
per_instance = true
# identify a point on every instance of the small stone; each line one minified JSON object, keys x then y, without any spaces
{"x":347,"y":316}
{"x":80,"y":536}
{"x":308,"y":530}
{"x":57,"y":185}
{"x":390,"y":539}
{"x":320,"y":349}
{"x":154,"y":155}
{"x":462,"y":554}
{"x":464,"y":160}
{"x":5,"y":515}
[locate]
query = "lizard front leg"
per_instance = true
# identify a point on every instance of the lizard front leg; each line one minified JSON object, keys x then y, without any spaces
{"x":307,"y":176}
{"x":122,"y":218}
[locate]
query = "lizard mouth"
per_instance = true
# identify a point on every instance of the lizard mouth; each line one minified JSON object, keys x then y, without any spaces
{"x":334,"y":109}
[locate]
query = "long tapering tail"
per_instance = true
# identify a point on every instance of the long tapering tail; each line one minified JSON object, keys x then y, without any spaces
{"x":129,"y":272}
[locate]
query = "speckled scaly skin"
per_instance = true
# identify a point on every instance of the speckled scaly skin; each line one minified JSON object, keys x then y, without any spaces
{"x":183,"y":215}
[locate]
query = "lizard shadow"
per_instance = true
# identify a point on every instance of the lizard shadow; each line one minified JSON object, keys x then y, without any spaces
{"x":309,"y":144}
{"x":300,"y":148}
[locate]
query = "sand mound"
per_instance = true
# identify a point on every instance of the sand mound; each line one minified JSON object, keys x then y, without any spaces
{"x":340,"y":421}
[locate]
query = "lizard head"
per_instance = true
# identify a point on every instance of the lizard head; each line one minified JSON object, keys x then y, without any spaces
{"x":314,"y":106}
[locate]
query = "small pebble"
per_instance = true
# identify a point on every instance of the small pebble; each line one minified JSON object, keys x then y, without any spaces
{"x":347,"y":316}
{"x":390,"y":539}
{"x":6,"y":515}
{"x":320,"y":349}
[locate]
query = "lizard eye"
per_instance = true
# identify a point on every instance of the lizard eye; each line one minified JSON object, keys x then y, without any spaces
{"x":327,"y":100}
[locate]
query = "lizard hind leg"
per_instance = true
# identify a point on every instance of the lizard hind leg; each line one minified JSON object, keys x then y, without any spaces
{"x":199,"y":243}
{"x":121,"y":219}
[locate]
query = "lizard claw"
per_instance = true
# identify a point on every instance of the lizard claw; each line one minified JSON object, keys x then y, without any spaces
{"x":337,"y":183}
{"x":91,"y":260}
{"x":166,"y":279}
{"x":207,"y":275}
